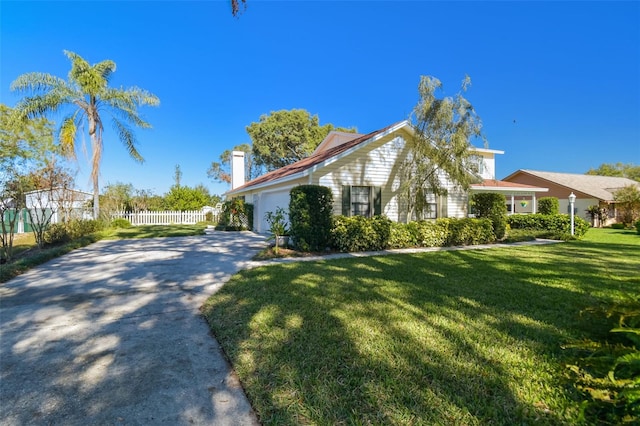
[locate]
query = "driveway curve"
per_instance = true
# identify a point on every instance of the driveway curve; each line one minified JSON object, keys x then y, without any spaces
{"x":111,"y":334}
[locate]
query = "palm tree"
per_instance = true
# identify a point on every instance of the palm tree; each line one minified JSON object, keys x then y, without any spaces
{"x":90,"y":97}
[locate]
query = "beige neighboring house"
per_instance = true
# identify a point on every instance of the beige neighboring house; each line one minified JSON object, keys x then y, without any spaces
{"x":589,"y":190}
{"x":362,"y":172}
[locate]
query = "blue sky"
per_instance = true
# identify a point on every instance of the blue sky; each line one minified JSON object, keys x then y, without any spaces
{"x":557,"y":84}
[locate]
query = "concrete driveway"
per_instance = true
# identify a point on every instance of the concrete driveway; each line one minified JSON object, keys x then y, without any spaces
{"x":111,"y":334}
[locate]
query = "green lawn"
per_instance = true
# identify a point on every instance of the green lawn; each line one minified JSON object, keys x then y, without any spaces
{"x":459,"y":337}
{"x":154,"y":231}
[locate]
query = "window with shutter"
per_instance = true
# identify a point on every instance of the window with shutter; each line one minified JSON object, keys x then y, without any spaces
{"x":361,"y":201}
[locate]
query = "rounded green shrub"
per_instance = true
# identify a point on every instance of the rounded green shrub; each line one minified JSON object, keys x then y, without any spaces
{"x":56,"y":233}
{"x":494,"y":207}
{"x":310,"y":217}
{"x":548,"y":205}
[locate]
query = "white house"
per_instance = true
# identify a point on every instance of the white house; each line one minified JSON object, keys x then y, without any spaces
{"x":63,"y":203}
{"x":362,"y":172}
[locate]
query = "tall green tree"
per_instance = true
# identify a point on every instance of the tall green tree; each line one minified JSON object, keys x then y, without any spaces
{"x":629,"y":170}
{"x":286,"y":136}
{"x":117,"y":197}
{"x":23,"y":140}
{"x":440,"y":147}
{"x":186,"y":198}
{"x":628,"y":201}
{"x":25,"y":145}
{"x":87,"y":93}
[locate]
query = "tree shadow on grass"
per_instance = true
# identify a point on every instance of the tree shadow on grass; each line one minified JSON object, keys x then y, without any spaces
{"x":468,"y":337}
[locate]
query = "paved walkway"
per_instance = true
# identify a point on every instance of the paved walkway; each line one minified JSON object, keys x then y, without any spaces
{"x":111,"y":334}
{"x":257,"y":263}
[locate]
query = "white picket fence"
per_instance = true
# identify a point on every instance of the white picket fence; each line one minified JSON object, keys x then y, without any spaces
{"x":166,"y":217}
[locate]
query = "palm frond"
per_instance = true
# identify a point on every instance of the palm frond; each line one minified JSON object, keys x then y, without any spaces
{"x":67,"y":136}
{"x":37,"y":82}
{"x":125,"y":103}
{"x":133,"y":97}
{"x":105,"y":68}
{"x":88,"y":78}
{"x":39,"y":105}
{"x":128,"y":139}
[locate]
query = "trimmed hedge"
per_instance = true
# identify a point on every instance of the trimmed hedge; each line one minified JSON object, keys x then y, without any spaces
{"x":310,"y":217}
{"x":556,"y":224}
{"x":467,"y":231}
{"x":358,"y":233}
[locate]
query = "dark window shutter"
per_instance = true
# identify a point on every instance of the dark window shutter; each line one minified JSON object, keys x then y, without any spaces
{"x":346,"y":200}
{"x":377,"y":200}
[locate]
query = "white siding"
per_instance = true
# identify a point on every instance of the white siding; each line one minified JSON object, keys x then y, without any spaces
{"x":376,"y":166}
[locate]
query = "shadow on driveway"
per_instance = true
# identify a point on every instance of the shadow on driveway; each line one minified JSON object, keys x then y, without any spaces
{"x":111,"y":334}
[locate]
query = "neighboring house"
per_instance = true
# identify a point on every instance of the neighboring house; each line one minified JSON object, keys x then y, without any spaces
{"x":589,"y":189}
{"x":63,"y":203}
{"x":362,"y":172}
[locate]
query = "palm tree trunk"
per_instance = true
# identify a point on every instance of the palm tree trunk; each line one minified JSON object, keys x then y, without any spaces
{"x":96,"y":199}
{"x":94,"y":172}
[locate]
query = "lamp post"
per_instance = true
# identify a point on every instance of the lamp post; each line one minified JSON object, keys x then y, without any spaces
{"x":572,"y":201}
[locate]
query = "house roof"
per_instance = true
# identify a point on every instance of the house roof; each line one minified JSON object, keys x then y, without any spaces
{"x":600,"y":187}
{"x":502,"y":186}
{"x":69,"y":190}
{"x":335,"y":138}
{"x":299,"y":168}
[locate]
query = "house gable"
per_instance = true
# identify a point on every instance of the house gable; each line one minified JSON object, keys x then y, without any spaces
{"x":335,"y":138}
{"x":600,"y":188}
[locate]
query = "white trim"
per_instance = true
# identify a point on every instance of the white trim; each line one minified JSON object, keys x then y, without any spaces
{"x":506,"y":189}
{"x":486,"y":150}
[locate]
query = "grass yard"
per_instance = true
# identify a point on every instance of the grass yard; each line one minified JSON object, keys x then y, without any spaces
{"x":154,"y":231}
{"x":458,"y":337}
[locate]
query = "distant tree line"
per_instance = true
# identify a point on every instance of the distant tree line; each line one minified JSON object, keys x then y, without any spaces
{"x":120,"y":196}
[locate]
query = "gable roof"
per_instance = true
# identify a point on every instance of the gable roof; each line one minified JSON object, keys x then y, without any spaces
{"x":335,"y":138}
{"x":301,"y":167}
{"x":600,"y":187}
